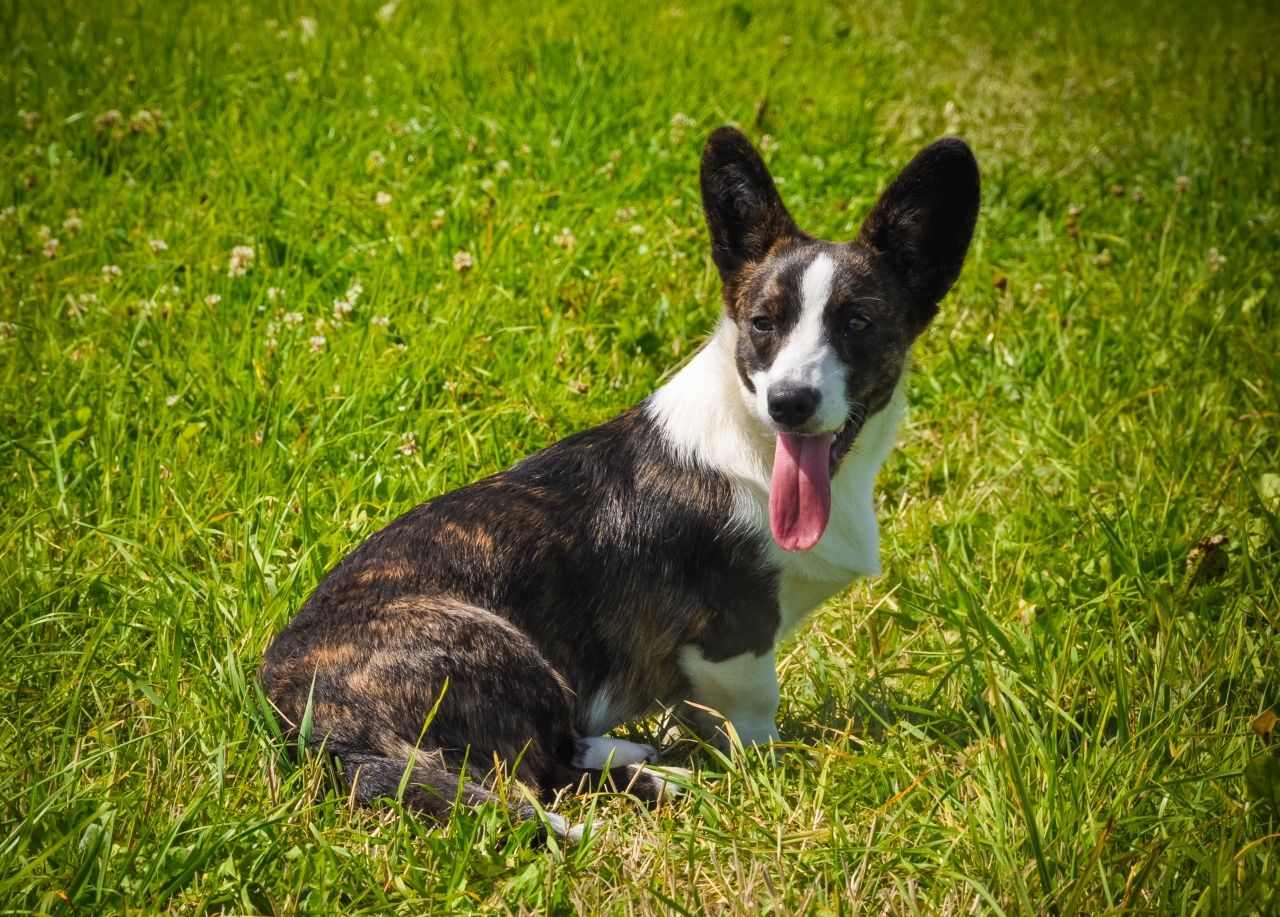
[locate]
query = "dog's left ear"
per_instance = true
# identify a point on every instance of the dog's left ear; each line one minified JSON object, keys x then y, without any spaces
{"x":923,"y":223}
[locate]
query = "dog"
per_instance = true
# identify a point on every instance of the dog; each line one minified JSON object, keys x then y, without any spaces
{"x":657,"y":558}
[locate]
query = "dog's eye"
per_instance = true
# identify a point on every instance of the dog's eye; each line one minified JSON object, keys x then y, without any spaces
{"x":762,"y":324}
{"x":858,"y":323}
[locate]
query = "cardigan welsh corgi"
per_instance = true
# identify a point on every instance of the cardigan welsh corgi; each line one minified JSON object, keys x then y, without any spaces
{"x":652,"y":560}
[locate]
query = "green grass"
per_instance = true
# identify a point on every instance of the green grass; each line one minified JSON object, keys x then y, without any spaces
{"x":1035,"y":709}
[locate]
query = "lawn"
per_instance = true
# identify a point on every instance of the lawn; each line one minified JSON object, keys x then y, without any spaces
{"x":271,"y":274}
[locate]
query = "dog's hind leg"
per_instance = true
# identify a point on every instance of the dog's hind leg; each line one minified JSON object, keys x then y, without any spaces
{"x":429,"y":680}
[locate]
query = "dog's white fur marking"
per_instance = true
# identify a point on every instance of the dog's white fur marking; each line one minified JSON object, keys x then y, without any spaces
{"x":603,"y":752}
{"x":600,"y":714}
{"x":705,"y":412}
{"x":807,"y":359}
{"x":743,"y":689}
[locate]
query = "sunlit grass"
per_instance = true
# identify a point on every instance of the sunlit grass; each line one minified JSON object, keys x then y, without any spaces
{"x":1037,"y":707}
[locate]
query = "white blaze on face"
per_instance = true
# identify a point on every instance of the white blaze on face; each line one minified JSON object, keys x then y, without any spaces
{"x":807,"y":359}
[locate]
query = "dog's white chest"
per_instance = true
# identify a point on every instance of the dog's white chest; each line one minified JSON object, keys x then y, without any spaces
{"x":850,"y":547}
{"x":848,"y":550}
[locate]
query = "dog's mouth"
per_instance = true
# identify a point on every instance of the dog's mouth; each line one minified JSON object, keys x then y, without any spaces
{"x":800,"y":490}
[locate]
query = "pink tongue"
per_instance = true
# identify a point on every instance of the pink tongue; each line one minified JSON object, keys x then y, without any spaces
{"x":800,"y":493}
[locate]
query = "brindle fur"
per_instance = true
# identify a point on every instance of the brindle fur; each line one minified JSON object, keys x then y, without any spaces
{"x":602,"y":545}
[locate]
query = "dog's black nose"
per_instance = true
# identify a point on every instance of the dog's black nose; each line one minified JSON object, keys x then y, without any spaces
{"x":791,"y":407}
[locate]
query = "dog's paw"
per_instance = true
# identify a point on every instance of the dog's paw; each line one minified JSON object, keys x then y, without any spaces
{"x":667,"y":782}
{"x":601,"y":752}
{"x":558,"y":825}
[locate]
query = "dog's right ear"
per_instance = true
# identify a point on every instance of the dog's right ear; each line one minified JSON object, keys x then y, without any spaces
{"x":744,"y":212}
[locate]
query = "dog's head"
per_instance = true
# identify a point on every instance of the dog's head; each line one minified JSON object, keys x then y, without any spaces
{"x":824,"y":327}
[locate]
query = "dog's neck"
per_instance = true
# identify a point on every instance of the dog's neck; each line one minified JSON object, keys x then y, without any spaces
{"x":704,"y":413}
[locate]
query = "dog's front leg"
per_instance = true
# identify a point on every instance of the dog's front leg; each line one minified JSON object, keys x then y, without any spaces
{"x":743,"y":689}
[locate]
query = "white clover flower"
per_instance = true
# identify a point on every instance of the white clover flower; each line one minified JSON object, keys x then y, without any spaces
{"x":1181,"y":184}
{"x":111,"y":273}
{"x":308,"y":26}
{"x":294,"y":77}
{"x":212,"y":300}
{"x":382,"y":198}
{"x":51,"y":248}
{"x":241,"y":260}
{"x":171,"y":400}
{"x":374,"y":161}
{"x":107,"y":120}
{"x":79,"y":305}
{"x":767,"y":143}
{"x":146,"y":121}
{"x":158,"y":245}
{"x":380,"y":321}
{"x":7,"y":330}
{"x":386,"y":12}
{"x":274,"y":293}
{"x":317,"y":343}
{"x":292,"y":319}
{"x":501,"y":167}
{"x":73,"y":222}
{"x":564,"y":239}
{"x":462,"y":261}
{"x":1216,"y":260}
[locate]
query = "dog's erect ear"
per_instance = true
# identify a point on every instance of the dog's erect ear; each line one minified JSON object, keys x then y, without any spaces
{"x":923,"y":223}
{"x":744,"y":212}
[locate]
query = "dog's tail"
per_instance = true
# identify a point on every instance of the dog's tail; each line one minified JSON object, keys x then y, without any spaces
{"x":433,"y":788}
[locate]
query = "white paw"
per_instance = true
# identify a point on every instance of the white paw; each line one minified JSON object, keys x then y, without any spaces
{"x":601,"y":752}
{"x":556,"y":824}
